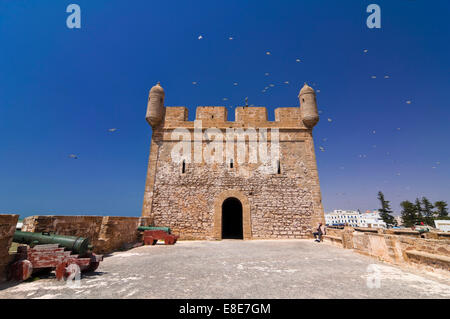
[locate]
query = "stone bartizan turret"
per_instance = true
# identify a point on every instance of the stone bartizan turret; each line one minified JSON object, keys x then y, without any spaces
{"x":308,"y":106}
{"x":155,"y":107}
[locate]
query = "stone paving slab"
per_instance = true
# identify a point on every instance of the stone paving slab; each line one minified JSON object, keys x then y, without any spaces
{"x":240,"y":269}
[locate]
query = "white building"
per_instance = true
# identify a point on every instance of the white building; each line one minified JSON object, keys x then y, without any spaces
{"x":399,"y":220}
{"x":371,"y":219}
{"x":354,"y":218}
{"x":442,"y":225}
{"x":342,"y":217}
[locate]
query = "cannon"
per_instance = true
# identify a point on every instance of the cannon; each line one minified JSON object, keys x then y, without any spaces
{"x":165,"y":229}
{"x":153,"y":234}
{"x":77,"y":245}
{"x":46,"y":252}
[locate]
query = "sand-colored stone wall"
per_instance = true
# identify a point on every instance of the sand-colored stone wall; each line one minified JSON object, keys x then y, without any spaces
{"x":284,"y":205}
{"x":83,"y":226}
{"x":396,"y":246}
{"x":7,"y":227}
{"x":106,"y":233}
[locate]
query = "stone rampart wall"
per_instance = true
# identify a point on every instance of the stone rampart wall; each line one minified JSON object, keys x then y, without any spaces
{"x":395,"y":246}
{"x":106,"y":233}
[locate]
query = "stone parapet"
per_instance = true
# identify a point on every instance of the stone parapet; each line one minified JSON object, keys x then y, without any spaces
{"x":217,"y":116}
{"x":395,"y":246}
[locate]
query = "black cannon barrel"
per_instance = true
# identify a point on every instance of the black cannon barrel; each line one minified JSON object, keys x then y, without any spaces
{"x":166,"y":229}
{"x":78,"y":245}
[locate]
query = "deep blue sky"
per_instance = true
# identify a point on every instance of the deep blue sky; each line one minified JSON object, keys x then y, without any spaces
{"x":62,"y":89}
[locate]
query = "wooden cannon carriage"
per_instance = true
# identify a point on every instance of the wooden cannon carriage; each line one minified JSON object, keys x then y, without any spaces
{"x":46,"y":252}
{"x":153,"y":234}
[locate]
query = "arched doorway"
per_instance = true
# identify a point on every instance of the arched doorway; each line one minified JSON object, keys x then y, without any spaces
{"x":246,"y":215}
{"x":232,"y":227}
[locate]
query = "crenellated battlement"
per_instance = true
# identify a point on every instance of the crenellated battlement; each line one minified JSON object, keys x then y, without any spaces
{"x":245,"y":116}
{"x":304,"y":117}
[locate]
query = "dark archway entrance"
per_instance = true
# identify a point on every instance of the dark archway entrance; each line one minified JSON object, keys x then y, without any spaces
{"x":232,"y":219}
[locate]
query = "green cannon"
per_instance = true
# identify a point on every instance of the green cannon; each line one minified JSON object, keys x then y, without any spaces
{"x":45,"y":252}
{"x":78,"y":245}
{"x":164,"y":229}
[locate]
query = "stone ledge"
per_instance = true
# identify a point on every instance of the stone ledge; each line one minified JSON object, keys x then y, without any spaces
{"x":433,"y":260}
{"x":332,"y":238}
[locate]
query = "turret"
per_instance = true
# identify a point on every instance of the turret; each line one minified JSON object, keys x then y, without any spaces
{"x":155,"y":106}
{"x":308,"y":106}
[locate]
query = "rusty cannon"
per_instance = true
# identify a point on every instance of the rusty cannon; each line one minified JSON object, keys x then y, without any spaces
{"x":152,"y":234}
{"x":46,"y":251}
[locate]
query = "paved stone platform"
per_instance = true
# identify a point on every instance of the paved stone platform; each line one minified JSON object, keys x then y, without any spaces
{"x":240,"y":269}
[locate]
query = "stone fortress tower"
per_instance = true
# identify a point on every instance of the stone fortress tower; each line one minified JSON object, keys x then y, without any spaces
{"x":228,"y":199}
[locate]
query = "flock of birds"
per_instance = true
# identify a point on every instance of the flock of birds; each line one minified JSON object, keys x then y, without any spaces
{"x":266,"y":88}
{"x":111,"y":130}
{"x":271,"y":85}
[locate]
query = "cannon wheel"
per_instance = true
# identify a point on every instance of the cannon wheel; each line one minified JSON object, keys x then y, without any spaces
{"x":168,"y":241}
{"x":150,"y":241}
{"x":21,"y":270}
{"x":61,"y":271}
{"x":92,"y":266}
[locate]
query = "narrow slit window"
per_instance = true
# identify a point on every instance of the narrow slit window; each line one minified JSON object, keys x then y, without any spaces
{"x":279,"y":167}
{"x":183,"y":168}
{"x":231,"y":163}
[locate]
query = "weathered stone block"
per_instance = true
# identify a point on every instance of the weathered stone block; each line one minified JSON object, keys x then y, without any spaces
{"x":8,"y":225}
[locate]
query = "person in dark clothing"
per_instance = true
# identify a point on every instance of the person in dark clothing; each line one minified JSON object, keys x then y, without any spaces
{"x":319,"y":233}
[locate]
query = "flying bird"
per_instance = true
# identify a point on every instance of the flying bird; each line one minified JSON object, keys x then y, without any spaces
{"x":73,"y":156}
